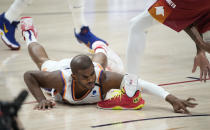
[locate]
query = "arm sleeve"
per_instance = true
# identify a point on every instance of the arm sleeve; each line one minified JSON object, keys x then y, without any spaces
{"x":152,"y":88}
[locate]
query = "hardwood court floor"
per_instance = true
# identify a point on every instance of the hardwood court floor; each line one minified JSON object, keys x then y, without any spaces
{"x":168,"y":58}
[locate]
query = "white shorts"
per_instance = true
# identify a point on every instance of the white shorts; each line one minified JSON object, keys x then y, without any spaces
{"x":51,"y":65}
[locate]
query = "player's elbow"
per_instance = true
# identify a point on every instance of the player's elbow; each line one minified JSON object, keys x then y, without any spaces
{"x":27,"y":76}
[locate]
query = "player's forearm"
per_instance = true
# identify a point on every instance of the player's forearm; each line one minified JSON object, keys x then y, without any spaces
{"x":194,"y":34}
{"x":157,"y":91}
{"x":33,"y":86}
{"x":197,"y":38}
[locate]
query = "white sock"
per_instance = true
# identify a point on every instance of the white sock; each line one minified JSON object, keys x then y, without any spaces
{"x":77,"y":7}
{"x":29,"y":37}
{"x":136,"y":41}
{"x":16,"y":9}
{"x":99,"y":46}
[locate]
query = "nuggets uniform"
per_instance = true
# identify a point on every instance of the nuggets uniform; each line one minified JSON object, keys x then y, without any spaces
{"x":179,"y":14}
{"x":68,"y":93}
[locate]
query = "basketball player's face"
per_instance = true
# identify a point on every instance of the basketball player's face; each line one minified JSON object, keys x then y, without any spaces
{"x":87,"y":77}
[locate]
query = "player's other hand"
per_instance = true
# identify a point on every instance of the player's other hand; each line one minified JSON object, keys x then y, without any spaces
{"x":202,"y":61}
{"x":45,"y":104}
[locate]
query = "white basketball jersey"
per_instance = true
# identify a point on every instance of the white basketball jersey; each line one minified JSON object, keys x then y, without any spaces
{"x":68,"y":94}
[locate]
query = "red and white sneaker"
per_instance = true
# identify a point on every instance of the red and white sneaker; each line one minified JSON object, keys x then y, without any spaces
{"x":120,"y":101}
{"x":26,"y":24}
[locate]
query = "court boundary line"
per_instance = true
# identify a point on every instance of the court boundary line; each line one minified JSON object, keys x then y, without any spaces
{"x":146,"y":119}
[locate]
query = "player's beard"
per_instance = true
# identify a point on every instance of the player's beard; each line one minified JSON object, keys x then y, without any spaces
{"x":86,"y":86}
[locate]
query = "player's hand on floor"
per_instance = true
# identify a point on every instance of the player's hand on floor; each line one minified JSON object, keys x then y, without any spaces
{"x":179,"y":105}
{"x":202,"y":61}
{"x":45,"y":104}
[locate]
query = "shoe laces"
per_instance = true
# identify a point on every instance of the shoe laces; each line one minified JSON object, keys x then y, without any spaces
{"x":85,"y":30}
{"x":15,"y":24}
{"x":116,"y":94}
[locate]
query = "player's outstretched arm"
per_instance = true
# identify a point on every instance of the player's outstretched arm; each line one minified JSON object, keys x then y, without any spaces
{"x":37,"y":79}
{"x":200,"y":58}
{"x":180,"y":105}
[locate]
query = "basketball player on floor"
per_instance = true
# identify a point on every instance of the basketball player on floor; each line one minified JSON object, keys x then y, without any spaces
{"x":80,"y":80}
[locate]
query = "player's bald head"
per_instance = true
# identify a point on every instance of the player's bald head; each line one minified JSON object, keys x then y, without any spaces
{"x":80,"y":62}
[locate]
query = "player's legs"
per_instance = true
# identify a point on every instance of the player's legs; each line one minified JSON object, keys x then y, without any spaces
{"x":105,"y":56}
{"x":36,"y":51}
{"x":77,"y":8}
{"x":136,"y":41}
{"x":38,"y":54}
{"x":82,"y":31}
{"x":9,"y":22}
{"x":84,"y":35}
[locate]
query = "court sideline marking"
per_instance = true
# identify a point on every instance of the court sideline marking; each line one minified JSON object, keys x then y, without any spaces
{"x":154,"y":118}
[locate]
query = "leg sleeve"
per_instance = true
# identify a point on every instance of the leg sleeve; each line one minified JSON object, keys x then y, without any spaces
{"x":136,"y":41}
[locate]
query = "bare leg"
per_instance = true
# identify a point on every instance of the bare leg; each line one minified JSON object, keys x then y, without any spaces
{"x":37,"y":53}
